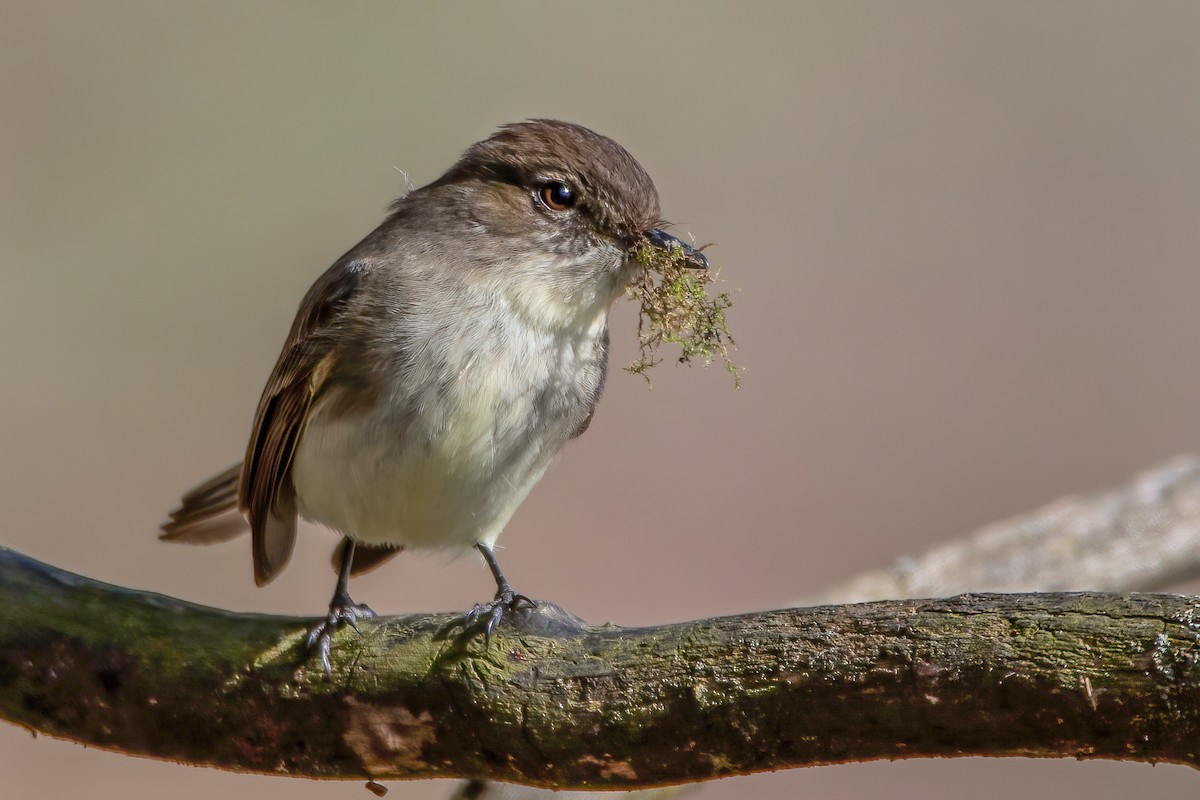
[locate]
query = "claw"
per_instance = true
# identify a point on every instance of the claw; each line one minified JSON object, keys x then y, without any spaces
{"x":487,"y":616}
{"x":342,"y":611}
{"x":490,"y":625}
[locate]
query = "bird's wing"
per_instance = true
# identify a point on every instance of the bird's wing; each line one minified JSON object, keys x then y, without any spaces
{"x":602,"y":356}
{"x":265,"y":492}
{"x":366,"y":557}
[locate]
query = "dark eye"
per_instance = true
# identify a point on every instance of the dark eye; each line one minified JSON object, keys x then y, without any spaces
{"x":556,"y":195}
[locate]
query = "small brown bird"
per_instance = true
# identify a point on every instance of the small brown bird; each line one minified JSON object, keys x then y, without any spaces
{"x":436,"y":369}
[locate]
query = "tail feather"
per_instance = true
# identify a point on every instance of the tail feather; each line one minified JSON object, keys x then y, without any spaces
{"x":208,"y":513}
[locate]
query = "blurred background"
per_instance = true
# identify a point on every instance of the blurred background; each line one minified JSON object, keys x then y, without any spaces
{"x":965,"y":238}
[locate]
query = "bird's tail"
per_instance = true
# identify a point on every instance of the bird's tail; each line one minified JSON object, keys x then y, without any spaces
{"x":209,"y":513}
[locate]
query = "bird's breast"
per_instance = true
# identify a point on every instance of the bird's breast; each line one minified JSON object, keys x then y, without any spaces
{"x":463,"y":425}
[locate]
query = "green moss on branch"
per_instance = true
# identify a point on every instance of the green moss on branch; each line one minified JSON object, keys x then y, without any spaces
{"x":555,"y":702}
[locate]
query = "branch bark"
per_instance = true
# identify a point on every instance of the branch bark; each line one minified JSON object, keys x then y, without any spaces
{"x":1143,"y":536}
{"x":1140,"y":536}
{"x":555,"y":702}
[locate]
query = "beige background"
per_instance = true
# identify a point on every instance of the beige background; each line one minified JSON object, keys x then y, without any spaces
{"x":966,"y":238}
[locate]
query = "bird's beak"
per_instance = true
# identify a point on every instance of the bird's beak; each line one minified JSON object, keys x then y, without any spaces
{"x":665,"y":241}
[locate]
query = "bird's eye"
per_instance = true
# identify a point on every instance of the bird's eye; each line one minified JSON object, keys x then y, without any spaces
{"x":556,"y":195}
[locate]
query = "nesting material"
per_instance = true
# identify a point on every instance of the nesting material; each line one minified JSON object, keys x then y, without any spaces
{"x":676,"y":309}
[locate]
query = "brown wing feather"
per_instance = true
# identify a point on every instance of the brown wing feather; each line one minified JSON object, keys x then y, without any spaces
{"x":265,"y":492}
{"x":602,"y":357}
{"x":366,"y":557}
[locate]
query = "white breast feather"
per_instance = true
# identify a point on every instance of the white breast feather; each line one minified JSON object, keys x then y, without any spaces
{"x":451,"y":472}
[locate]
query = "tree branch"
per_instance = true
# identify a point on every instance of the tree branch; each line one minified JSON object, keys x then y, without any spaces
{"x":1140,"y":536}
{"x":554,"y":702}
{"x":1143,"y":536}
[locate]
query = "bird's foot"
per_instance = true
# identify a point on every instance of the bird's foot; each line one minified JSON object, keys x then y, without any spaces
{"x":342,"y":611}
{"x":486,"y":616}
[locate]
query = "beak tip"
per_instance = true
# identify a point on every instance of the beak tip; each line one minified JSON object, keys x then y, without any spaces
{"x":661,"y":239}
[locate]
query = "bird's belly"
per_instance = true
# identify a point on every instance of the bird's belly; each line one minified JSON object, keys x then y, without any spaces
{"x":440,"y":483}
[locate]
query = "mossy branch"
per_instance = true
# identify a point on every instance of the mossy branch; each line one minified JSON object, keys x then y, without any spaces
{"x":555,"y":702}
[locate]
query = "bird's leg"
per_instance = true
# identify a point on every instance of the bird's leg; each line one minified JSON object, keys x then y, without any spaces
{"x":489,"y":614}
{"x":342,"y":611}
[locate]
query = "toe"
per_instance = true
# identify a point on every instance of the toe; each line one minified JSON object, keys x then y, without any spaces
{"x":323,"y":653}
{"x":314,"y":635}
{"x":473,"y":615}
{"x":493,"y":620}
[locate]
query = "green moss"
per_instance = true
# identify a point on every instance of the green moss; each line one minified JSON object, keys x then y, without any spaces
{"x":168,"y":636}
{"x":676,"y":309}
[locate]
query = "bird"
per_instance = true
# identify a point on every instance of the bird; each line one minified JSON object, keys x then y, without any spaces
{"x":436,"y":369}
